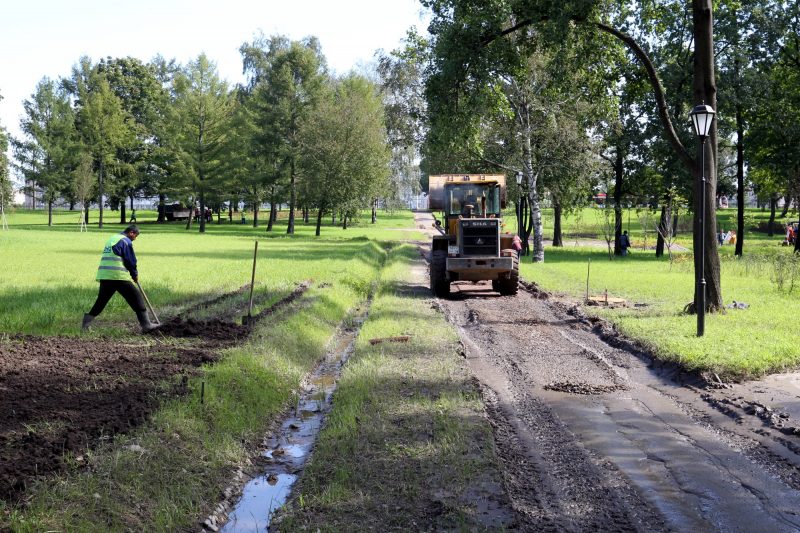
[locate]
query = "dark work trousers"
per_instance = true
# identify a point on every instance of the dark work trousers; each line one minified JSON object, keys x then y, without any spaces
{"x":127,"y":289}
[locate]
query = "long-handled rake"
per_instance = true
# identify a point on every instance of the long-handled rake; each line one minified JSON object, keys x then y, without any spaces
{"x":149,"y":305}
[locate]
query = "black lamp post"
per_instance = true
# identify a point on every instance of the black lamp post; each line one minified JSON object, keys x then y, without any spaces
{"x":702,"y":117}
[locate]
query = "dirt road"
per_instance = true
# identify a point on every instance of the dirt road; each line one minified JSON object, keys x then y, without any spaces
{"x":596,"y":437}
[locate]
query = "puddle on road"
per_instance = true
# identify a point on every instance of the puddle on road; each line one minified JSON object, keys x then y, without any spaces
{"x":287,"y":452}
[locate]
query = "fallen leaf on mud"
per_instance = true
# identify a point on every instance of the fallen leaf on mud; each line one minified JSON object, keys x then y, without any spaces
{"x":278,"y":451}
{"x":272,"y":479}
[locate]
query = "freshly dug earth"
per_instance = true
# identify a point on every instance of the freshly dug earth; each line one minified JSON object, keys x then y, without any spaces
{"x":63,"y":395}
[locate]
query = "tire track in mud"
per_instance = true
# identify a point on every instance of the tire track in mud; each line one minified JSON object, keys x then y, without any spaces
{"x":551,"y":479}
{"x":613,"y":443}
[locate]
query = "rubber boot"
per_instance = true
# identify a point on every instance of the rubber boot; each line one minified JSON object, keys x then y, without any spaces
{"x":144,"y":322}
{"x":87,"y":320}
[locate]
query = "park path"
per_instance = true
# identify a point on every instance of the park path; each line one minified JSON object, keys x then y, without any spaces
{"x":596,"y":437}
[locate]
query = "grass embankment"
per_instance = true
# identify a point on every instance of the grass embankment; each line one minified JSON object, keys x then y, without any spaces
{"x":406,"y":446}
{"x":164,"y":474}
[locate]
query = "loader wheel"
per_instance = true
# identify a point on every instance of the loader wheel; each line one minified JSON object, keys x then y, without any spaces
{"x":510,"y":285}
{"x":440,"y":286}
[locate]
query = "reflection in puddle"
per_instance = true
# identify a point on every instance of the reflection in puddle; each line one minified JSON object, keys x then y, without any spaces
{"x":261,"y":497}
{"x":289,"y":450}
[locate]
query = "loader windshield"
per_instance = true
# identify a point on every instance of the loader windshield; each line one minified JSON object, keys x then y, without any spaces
{"x":459,"y":196}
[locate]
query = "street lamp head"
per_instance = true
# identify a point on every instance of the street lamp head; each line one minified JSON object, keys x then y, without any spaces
{"x":702,"y":117}
{"x":519,"y":178}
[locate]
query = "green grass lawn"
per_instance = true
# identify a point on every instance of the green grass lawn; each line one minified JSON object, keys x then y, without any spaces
{"x":47,"y":276}
{"x":738,"y":343}
{"x":407,"y":442}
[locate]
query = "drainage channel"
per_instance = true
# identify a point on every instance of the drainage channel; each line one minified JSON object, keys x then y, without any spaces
{"x":287,"y":451}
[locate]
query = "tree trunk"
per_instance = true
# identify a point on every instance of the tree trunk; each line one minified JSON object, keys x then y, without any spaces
{"x":663,"y":227}
{"x":786,"y":206}
{"x":273,"y":214}
{"x":319,"y":220}
{"x":86,"y":212}
{"x":191,"y":214}
{"x":292,"y":199}
{"x":72,"y":204}
{"x":305,"y":214}
{"x":100,"y":195}
{"x":557,"y":240}
{"x":773,"y":206}
{"x":50,"y":212}
{"x":619,"y":175}
{"x":202,"y":208}
{"x":344,"y":221}
{"x":374,"y":210}
{"x":255,"y":214}
{"x":705,"y":91}
{"x":533,"y":198}
{"x":739,"y":161}
{"x":122,"y":218}
{"x":230,"y":211}
{"x":161,"y":209}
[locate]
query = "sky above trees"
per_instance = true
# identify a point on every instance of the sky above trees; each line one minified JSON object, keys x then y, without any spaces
{"x":47,"y":37}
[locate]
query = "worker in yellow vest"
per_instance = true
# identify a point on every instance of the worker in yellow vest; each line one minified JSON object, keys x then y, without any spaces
{"x":117,"y":269}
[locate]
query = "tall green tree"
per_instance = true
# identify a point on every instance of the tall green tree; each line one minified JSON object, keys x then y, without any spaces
{"x":203,"y":110}
{"x":344,"y":146}
{"x":6,"y":188}
{"x":106,"y":129}
{"x":46,"y":154}
{"x":287,"y":79}
{"x":142,"y":97}
{"x":402,"y":82}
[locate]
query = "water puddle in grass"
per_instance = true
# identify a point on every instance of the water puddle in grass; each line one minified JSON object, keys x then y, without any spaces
{"x":287,"y":452}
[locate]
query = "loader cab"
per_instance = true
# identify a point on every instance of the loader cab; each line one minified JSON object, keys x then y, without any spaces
{"x":471,"y":200}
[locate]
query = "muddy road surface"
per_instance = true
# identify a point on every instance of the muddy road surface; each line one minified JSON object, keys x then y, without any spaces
{"x":594,"y":435}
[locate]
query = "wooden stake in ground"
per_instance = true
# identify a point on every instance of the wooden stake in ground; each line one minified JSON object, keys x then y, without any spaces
{"x":588,"y":269}
{"x":246,"y":320}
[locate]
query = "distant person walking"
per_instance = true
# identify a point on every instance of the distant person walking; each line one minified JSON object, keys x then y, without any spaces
{"x":624,"y":243}
{"x":133,"y":216}
{"x":117,"y":269}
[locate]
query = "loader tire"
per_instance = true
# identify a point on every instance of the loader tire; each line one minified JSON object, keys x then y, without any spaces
{"x":440,"y":286}
{"x":509,"y":286}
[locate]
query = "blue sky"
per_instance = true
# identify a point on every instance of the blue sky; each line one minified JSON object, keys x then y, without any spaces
{"x":47,"y":37}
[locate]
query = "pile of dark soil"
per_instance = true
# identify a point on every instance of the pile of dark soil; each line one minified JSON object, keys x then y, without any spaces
{"x":217,"y":332}
{"x":209,"y":330}
{"x":64,"y":395}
